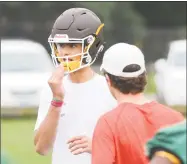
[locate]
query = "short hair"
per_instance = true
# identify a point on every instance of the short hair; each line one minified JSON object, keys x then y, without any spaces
{"x":129,"y":85}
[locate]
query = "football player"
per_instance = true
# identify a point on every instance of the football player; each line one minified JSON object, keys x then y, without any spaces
{"x":75,"y":96}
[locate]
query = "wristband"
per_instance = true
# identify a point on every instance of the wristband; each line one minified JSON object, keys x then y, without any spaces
{"x":56,"y":99}
{"x":57,"y":103}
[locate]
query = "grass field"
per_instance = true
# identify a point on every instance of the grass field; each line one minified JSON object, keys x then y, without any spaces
{"x":17,"y":142}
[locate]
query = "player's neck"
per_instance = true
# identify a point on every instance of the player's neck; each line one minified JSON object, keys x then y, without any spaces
{"x":82,"y":75}
{"x":130,"y":98}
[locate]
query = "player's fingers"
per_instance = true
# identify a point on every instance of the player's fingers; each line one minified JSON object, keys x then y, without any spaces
{"x":75,"y":138}
{"x":77,"y":142}
{"x":57,"y":75}
{"x":59,"y":72}
{"x":54,"y":80}
{"x":77,"y":152}
{"x":59,"y":69}
{"x":81,"y":148}
{"x":87,"y":149}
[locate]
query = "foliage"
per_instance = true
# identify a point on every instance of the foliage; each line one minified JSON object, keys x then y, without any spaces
{"x":124,"y":21}
{"x":162,"y":14}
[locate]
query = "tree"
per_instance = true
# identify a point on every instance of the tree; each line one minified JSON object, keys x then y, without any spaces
{"x":128,"y":25}
{"x":162,"y":14}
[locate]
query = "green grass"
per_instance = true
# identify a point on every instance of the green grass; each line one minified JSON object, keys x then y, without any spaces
{"x":150,"y":88}
{"x":17,"y":142}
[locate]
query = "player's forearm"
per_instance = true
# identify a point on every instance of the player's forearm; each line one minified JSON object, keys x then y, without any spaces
{"x":160,"y":160}
{"x":163,"y":157}
{"x":46,"y":133}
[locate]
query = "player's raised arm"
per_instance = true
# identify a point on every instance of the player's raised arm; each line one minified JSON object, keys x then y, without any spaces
{"x":46,"y":132}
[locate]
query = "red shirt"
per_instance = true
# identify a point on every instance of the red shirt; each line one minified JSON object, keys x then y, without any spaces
{"x":120,"y":135}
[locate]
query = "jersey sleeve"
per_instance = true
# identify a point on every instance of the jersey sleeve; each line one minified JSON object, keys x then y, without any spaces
{"x":171,"y":139}
{"x":45,"y":100}
{"x":103,"y":148}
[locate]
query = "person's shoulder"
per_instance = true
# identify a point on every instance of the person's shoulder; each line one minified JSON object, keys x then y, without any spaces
{"x":113,"y":115}
{"x":121,"y":112}
{"x":171,"y":113}
{"x":107,"y":120}
{"x":163,"y":107}
{"x":177,"y":128}
{"x":115,"y":118}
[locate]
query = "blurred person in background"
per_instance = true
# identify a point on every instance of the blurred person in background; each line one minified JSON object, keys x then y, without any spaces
{"x":168,"y":146}
{"x":120,"y":134}
{"x":75,"y":96}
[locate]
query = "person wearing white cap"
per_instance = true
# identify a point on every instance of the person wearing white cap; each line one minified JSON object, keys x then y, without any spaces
{"x":120,"y":134}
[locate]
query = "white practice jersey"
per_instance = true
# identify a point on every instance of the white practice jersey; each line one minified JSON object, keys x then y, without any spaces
{"x":83,"y":104}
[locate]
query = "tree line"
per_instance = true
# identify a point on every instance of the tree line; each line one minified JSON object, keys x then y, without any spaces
{"x":124,"y":21}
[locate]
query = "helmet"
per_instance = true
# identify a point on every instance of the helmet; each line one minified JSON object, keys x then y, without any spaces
{"x":77,"y":25}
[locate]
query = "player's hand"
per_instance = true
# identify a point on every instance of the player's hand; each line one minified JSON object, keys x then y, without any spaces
{"x":55,"y":82}
{"x":80,"y":144}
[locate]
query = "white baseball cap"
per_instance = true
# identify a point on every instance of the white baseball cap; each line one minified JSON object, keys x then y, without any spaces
{"x":120,"y":55}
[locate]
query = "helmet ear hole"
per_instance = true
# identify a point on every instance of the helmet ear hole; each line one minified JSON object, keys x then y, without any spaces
{"x":87,"y":59}
{"x":94,"y":49}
